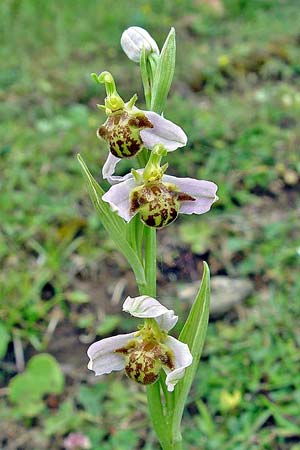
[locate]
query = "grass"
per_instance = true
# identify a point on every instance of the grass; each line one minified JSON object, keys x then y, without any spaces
{"x":236,"y":94}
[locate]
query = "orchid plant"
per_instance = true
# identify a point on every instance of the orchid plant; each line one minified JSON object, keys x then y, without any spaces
{"x":132,"y":210}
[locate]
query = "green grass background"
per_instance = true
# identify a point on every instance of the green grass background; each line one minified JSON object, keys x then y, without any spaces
{"x":236,"y":93}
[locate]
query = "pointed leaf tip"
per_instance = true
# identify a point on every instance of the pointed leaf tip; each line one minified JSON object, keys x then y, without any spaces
{"x":164,"y":73}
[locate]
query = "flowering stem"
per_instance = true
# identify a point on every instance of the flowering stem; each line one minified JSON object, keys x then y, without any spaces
{"x":157,"y":415}
{"x":153,"y":391}
{"x":150,"y":260}
{"x":161,"y":421}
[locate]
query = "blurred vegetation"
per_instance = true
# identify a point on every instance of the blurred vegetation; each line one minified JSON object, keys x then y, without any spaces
{"x":236,"y":93}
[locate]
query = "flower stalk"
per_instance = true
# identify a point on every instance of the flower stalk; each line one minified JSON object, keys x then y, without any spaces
{"x":153,"y":392}
{"x":131,"y":211}
{"x":161,"y":423}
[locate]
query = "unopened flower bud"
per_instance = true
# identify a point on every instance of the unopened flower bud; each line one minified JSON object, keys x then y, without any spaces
{"x":134,"y":39}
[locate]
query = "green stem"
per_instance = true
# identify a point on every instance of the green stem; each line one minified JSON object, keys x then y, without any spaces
{"x":135,"y":236}
{"x":169,"y":398}
{"x":157,"y":415}
{"x":150,"y":260}
{"x":161,"y":421}
{"x":153,"y":391}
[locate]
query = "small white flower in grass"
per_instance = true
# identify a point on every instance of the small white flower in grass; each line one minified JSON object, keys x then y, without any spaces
{"x":159,"y":198}
{"x":144,"y":353}
{"x":77,"y":441}
{"x":134,"y":39}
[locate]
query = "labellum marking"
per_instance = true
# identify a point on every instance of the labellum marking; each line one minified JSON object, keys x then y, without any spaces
{"x":122,"y":133}
{"x":158,"y":204}
{"x":144,"y":360}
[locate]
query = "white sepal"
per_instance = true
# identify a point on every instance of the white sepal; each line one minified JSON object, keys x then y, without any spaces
{"x":109,"y":168}
{"x":118,"y":196}
{"x":148,"y":307}
{"x":167,"y":321}
{"x":204,"y":193}
{"x":182,"y":359}
{"x":164,"y":132}
{"x":103,"y":358}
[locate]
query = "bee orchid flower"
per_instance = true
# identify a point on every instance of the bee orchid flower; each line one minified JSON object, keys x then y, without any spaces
{"x":162,"y":131}
{"x":144,"y":353}
{"x":159,"y":198}
{"x":128,"y":129}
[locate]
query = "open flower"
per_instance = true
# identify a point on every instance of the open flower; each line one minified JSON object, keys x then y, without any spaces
{"x":135,"y":130}
{"x":159,"y":198}
{"x":142,"y":354}
{"x":134,"y":39}
{"x":128,"y":129}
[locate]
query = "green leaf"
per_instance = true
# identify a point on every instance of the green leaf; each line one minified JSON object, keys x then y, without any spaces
{"x":108,"y":324}
{"x":46,"y":370}
{"x":193,"y":334}
{"x":124,"y":439}
{"x":113,"y":224}
{"x":42,"y":376}
{"x":164,"y":73}
{"x":91,"y":398}
{"x":65,"y":420}
{"x":30,"y":408}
